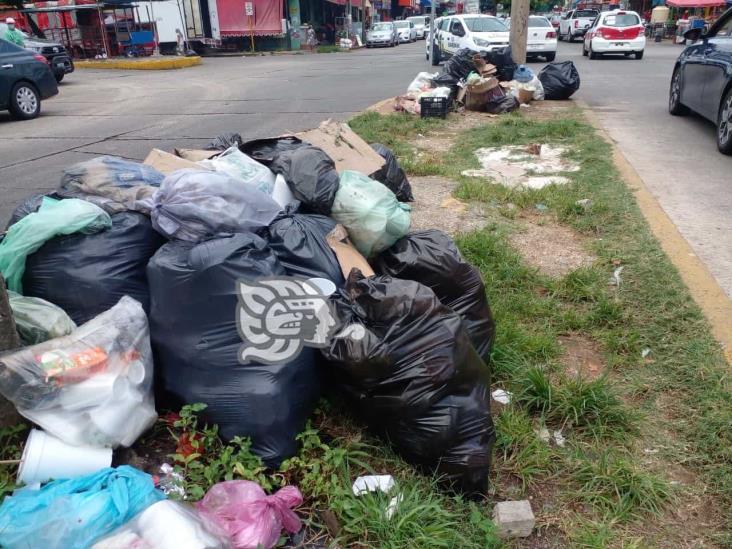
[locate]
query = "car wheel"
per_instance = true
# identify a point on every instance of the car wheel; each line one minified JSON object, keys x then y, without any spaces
{"x":551,"y":57}
{"x":25,"y":103}
{"x":675,"y":106}
{"x":724,"y":124}
{"x":639,"y":54}
{"x":584,"y":50}
{"x":591,"y":53}
{"x":560,"y":37}
{"x":59,"y":76}
{"x":570,"y":37}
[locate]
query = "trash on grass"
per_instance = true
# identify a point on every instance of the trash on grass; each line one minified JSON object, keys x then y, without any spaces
{"x":166,"y":525}
{"x":645,"y":352}
{"x":514,"y":166}
{"x":615,"y":279}
{"x":75,"y":512}
{"x":171,"y":482}
{"x":392,"y":175}
{"x":38,"y":320}
{"x":372,"y":483}
{"x":559,"y":439}
{"x":560,"y":80}
{"x":250,"y":517}
{"x":92,"y":387}
{"x":501,"y":396}
{"x":585,"y":203}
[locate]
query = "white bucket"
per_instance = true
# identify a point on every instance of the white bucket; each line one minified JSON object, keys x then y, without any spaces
{"x":45,"y":457}
{"x":325,"y":287}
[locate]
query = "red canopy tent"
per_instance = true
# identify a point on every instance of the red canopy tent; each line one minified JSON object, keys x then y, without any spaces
{"x":690,"y":4}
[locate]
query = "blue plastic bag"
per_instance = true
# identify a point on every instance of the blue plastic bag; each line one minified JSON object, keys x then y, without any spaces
{"x":75,"y":512}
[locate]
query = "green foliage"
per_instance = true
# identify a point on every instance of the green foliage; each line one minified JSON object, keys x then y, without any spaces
{"x":10,"y":449}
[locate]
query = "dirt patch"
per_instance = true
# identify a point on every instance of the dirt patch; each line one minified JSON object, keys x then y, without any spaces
{"x":551,"y":248}
{"x":581,"y":357}
{"x":435,"y":208}
{"x":443,"y":140}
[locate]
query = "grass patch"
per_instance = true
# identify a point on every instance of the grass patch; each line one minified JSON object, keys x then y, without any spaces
{"x":327,"y":48}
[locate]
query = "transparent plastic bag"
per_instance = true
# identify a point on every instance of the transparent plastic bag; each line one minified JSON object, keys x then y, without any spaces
{"x":248,"y":515}
{"x":196,"y":205}
{"x":73,"y":513}
{"x":37,"y":320}
{"x":238,"y":165}
{"x":165,"y":525}
{"x":92,"y":387}
{"x":371,"y":213}
{"x":53,"y":218}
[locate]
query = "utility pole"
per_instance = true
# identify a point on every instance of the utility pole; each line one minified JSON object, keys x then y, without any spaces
{"x":432,"y":28}
{"x":349,"y":20}
{"x":519,"y":29}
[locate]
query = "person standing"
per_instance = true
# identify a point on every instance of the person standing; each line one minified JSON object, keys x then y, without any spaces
{"x":12,"y":34}
{"x":311,"y":39}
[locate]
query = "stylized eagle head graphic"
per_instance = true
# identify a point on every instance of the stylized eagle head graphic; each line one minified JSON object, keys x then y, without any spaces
{"x":277,"y":317}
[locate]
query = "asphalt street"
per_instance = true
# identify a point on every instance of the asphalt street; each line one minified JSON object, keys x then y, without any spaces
{"x":126,"y":113}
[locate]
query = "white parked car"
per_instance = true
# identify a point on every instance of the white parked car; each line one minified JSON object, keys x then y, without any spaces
{"x":405,"y":31}
{"x":574,"y":23}
{"x":421,"y":25}
{"x":477,"y":32}
{"x":616,"y":31}
{"x":542,"y":39}
{"x":438,"y":21}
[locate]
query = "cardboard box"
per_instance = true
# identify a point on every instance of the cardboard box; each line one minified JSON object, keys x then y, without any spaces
{"x":525,"y":96}
{"x":348,"y":256}
{"x":195,"y":155}
{"x":167,"y":163}
{"x":348,"y":150}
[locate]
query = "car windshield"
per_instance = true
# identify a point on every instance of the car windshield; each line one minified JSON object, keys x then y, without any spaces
{"x":382,"y":27}
{"x":417,"y":20}
{"x":585,"y":13}
{"x":484,"y":24}
{"x":539,"y":22}
{"x":402,"y":24}
{"x":621,"y":20}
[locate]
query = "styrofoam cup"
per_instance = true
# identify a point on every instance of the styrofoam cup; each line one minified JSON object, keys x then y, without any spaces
{"x":136,"y":372}
{"x":92,"y":392}
{"x":71,"y":427}
{"x":325,"y":287}
{"x":114,"y":418}
{"x":46,"y":457}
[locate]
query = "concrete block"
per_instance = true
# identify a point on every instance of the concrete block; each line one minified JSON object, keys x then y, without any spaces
{"x":513,"y":519}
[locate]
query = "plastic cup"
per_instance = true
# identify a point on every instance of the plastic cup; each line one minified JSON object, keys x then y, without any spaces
{"x":136,"y":372}
{"x":94,"y":391}
{"x":325,"y":287}
{"x":115,"y":418}
{"x":45,"y":457}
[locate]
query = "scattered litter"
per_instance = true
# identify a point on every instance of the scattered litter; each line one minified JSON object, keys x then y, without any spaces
{"x":645,"y":352}
{"x":615,"y":280}
{"x":171,"y":482}
{"x":250,"y":517}
{"x":501,"y":396}
{"x":514,"y":166}
{"x":559,"y":439}
{"x":585,"y":203}
{"x":393,"y":505}
{"x":372,"y":483}
{"x":544,"y":435}
{"x":650,"y":450}
{"x":542,"y":207}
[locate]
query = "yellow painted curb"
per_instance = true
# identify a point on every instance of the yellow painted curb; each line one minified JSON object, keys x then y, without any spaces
{"x":710,"y":297}
{"x":140,"y":64}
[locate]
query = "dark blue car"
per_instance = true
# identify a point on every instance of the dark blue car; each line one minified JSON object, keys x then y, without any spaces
{"x":25,"y":79}
{"x":702,"y":78}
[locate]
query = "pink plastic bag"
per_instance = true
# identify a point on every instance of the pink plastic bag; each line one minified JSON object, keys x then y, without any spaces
{"x":251,"y":517}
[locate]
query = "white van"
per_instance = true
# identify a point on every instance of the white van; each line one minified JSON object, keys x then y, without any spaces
{"x":477,"y":32}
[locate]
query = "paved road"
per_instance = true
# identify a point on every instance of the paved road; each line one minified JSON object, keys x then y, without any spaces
{"x":128,"y":113}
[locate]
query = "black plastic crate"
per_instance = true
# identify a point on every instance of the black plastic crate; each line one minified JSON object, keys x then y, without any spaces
{"x":434,"y":107}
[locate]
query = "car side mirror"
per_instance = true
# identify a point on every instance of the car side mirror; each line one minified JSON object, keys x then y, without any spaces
{"x":693,"y":35}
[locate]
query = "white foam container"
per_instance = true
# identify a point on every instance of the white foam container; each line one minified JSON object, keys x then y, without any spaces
{"x":325,"y":287}
{"x":45,"y":457}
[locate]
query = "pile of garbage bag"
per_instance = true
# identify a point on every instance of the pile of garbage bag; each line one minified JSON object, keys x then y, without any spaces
{"x":238,"y":277}
{"x":559,"y":80}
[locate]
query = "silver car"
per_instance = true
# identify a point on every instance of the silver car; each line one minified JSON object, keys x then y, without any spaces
{"x":382,"y":34}
{"x":406,"y":31}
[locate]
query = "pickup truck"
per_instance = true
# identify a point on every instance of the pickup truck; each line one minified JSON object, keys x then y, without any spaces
{"x":574,"y":23}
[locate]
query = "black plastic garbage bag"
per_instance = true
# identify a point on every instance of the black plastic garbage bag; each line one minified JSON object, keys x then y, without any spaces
{"x":445,"y":80}
{"x":503,"y":60}
{"x":87,"y":274}
{"x":29,"y":205}
{"x":266,"y":150}
{"x":300,"y":244}
{"x":224,"y":141}
{"x":311,"y":175}
{"x":392,"y":175}
{"x":193,"y":327}
{"x":461,"y":64}
{"x":432,"y":258}
{"x":503,"y":104}
{"x":560,"y":80}
{"x":414,"y":354}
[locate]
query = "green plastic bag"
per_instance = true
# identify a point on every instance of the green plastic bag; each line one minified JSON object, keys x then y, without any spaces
{"x":38,"y":320}
{"x":371,"y":213}
{"x":53,"y":218}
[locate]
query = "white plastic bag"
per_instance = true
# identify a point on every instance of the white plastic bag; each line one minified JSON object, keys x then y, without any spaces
{"x":422,"y":82}
{"x":165,"y":525}
{"x":238,"y":165}
{"x":196,"y":205}
{"x":92,"y":387}
{"x":371,"y":213}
